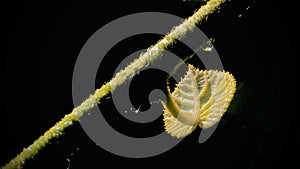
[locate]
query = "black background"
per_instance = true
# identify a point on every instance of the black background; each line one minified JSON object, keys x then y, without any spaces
{"x":45,"y":38}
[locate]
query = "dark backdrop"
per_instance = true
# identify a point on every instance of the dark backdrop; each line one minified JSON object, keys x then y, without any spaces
{"x":252,"y":38}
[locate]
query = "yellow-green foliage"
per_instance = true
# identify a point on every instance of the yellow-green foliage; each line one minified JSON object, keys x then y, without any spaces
{"x":200,"y":98}
{"x":152,"y":54}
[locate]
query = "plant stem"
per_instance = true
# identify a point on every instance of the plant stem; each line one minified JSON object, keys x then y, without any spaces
{"x":153,"y":54}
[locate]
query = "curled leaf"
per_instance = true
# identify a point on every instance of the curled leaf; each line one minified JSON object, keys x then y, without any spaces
{"x":200,"y":98}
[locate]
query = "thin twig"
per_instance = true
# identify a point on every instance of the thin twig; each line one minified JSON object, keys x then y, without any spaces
{"x":153,"y":54}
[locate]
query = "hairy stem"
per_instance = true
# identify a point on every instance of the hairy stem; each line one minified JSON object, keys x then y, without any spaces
{"x":152,"y":54}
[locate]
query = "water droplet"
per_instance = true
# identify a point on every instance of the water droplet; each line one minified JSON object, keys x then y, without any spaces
{"x":136,"y":111}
